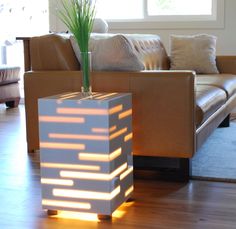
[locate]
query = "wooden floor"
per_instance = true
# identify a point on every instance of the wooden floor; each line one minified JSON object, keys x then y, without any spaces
{"x":156,"y":204}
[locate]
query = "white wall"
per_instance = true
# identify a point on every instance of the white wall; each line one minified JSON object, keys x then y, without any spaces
{"x":226,"y":43}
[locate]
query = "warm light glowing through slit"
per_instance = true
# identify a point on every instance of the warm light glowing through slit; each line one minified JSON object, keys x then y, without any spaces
{"x":68,"y":97}
{"x":84,"y":98}
{"x":93,"y":176}
{"x":118,"y":133}
{"x":61,"y":119}
{"x":129,"y":190}
{"x":100,"y":157}
{"x":78,"y":136}
{"x":96,"y":94}
{"x":56,"y":145}
{"x":89,"y":111}
{"x":104,"y":130}
{"x":86,"y":194}
{"x":113,"y":128}
{"x":100,"y":130}
{"x":115,"y":109}
{"x":126,"y":173}
{"x":106,"y":96}
{"x":82,"y":111}
{"x":128,"y":137}
{"x":57,"y":182}
{"x":76,"y":215}
{"x":66,"y":204}
{"x":125,"y":114}
{"x":70,"y":166}
{"x":69,"y":94}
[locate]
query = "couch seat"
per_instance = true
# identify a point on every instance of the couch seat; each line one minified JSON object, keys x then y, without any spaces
{"x":227,"y":82}
{"x":208,"y":100}
{"x":9,"y":74}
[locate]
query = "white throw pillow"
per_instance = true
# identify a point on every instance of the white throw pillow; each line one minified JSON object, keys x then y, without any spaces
{"x":196,"y":53}
{"x":110,"y":52}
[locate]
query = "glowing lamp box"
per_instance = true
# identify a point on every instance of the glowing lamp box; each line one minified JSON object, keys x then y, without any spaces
{"x":86,"y":151}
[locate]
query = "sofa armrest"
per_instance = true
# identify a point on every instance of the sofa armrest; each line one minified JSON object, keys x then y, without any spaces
{"x":163,"y":109}
{"x":52,"y":52}
{"x":163,"y":106}
{"x":226,"y":64}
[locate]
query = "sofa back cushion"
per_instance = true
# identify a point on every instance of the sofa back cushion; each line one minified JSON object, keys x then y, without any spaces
{"x":110,"y":53}
{"x":150,"y":50}
{"x":197,"y":53}
{"x":139,"y":52}
{"x":125,"y":52}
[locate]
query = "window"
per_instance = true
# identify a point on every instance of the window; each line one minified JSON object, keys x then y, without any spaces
{"x":120,"y":9}
{"x":173,"y":13}
{"x":20,"y":18}
{"x":24,"y":17}
{"x":179,"y":7}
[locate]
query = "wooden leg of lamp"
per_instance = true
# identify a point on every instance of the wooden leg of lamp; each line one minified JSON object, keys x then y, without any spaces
{"x":131,"y":199}
{"x":104,"y":217}
{"x":52,"y":212}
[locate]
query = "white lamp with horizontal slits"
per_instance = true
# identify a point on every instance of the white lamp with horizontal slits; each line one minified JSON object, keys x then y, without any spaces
{"x":86,"y":152}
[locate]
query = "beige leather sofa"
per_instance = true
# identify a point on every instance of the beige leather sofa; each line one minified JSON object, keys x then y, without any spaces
{"x":173,"y":111}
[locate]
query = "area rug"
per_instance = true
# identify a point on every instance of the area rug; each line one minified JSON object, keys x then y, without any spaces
{"x":216,"y":159}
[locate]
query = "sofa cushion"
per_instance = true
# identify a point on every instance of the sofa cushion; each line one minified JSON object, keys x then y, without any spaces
{"x":111,"y":53}
{"x":196,"y":53}
{"x":131,"y":52}
{"x":208,"y":100}
{"x":150,"y":50}
{"x":9,"y":74}
{"x":227,"y":82}
{"x":9,"y":92}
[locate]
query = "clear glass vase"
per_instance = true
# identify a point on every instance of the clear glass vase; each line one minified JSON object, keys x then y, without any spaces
{"x":86,"y":67}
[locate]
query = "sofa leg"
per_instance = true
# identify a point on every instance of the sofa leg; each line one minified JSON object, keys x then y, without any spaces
{"x":185,"y":169}
{"x":169,"y":169}
{"x":225,"y":122}
{"x":13,"y":103}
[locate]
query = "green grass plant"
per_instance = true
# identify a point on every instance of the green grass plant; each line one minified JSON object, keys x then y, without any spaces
{"x":78,"y":16}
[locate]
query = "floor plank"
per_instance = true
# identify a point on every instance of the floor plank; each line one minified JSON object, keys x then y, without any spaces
{"x":156,"y":204}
